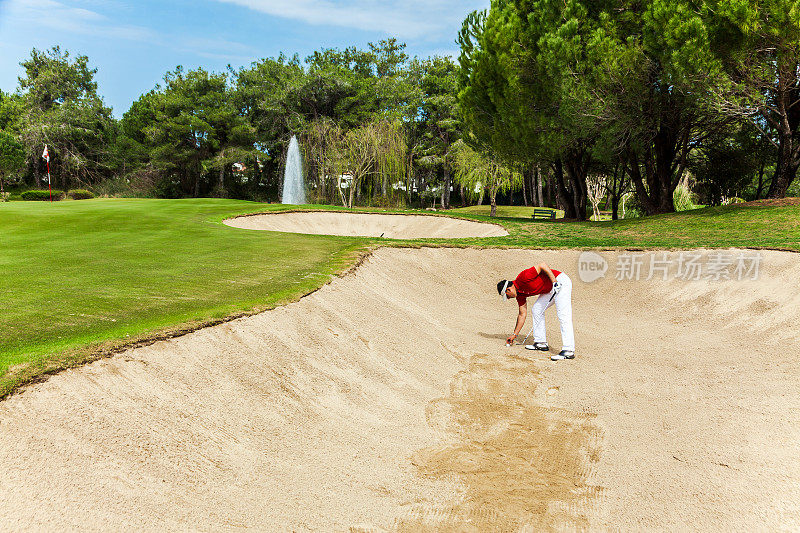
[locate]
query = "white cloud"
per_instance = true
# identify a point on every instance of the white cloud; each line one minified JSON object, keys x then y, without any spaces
{"x":75,"y":17}
{"x":53,"y":15}
{"x":231,"y":51}
{"x":411,"y":19}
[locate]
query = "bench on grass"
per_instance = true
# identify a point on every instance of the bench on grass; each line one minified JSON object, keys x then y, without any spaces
{"x":544,"y":213}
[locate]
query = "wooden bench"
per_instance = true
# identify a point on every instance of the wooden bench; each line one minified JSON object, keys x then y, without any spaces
{"x":544,"y":213}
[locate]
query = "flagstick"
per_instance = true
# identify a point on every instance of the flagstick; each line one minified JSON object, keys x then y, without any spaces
{"x":46,"y":157}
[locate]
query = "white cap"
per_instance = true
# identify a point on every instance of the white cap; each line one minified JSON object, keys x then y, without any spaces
{"x":503,"y":294}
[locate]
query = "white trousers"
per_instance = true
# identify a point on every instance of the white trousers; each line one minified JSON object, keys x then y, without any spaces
{"x":563,"y":302}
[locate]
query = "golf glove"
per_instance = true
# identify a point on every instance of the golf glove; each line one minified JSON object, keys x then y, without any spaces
{"x":557,"y":287}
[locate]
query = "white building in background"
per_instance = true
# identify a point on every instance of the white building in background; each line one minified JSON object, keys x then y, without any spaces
{"x":345,"y":180}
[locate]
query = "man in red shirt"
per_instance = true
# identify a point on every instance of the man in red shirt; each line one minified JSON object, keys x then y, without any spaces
{"x":549,"y":286}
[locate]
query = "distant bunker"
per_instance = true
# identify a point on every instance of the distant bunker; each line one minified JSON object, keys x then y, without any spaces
{"x":368,"y":225}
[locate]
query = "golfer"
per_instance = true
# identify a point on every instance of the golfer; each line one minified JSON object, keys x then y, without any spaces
{"x":549,"y":286}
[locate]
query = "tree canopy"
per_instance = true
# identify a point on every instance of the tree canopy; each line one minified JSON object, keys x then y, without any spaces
{"x":59,"y":107}
{"x":587,"y":85}
{"x":585,"y":99}
{"x":12,"y":156}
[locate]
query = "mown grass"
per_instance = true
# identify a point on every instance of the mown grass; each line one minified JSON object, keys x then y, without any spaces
{"x":86,"y":276}
{"x":82,"y":279}
{"x":715,"y":227}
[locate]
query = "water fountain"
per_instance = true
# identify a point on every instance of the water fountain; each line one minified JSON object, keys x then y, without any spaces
{"x":294,"y":189}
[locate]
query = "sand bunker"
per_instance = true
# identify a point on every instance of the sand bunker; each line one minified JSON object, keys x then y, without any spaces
{"x":369,"y":225}
{"x":388,"y":400}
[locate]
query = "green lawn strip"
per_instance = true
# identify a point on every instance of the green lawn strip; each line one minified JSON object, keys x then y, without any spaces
{"x":717,"y":227}
{"x":82,"y":278}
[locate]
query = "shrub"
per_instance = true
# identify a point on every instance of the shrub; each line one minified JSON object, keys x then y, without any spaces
{"x":41,"y":195}
{"x":167,"y":188}
{"x":794,"y":189}
{"x":630,"y":206}
{"x":80,"y":194}
{"x":732,"y":200}
{"x":129,"y":186}
{"x":387,"y":202}
{"x":683,"y":199}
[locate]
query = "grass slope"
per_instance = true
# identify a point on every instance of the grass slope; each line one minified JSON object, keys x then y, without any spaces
{"x":83,"y":278}
{"x":80,"y":274}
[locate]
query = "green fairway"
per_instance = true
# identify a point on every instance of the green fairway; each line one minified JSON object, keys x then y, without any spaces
{"x":80,"y":278}
{"x":95,"y":271}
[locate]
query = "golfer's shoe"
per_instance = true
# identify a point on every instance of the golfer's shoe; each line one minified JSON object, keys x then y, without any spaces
{"x":563,"y":354}
{"x":541,"y":346}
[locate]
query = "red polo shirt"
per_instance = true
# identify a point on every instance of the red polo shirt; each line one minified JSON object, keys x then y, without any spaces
{"x":529,"y":283}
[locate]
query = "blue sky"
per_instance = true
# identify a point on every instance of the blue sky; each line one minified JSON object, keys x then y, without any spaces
{"x":133,"y":44}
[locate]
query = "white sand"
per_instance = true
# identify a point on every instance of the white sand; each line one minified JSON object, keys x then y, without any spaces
{"x":368,"y":225}
{"x":388,"y":400}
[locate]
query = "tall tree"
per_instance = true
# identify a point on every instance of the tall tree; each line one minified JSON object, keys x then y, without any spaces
{"x":12,"y":157}
{"x":484,"y":171}
{"x":439,"y":118}
{"x":263,"y":93}
{"x":350,"y":88}
{"x":10,"y":112}
{"x":759,"y":45}
{"x":61,"y":108}
{"x":192,"y":131}
{"x":133,"y":143}
{"x":657,"y":91}
{"x":373,"y":154}
{"x":323,"y":140}
{"x":519,"y":62}
{"x":725,"y":164}
{"x":52,"y":79}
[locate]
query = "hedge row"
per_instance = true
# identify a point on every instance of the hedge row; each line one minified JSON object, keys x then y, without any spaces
{"x":80,"y":194}
{"x":42,"y":194}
